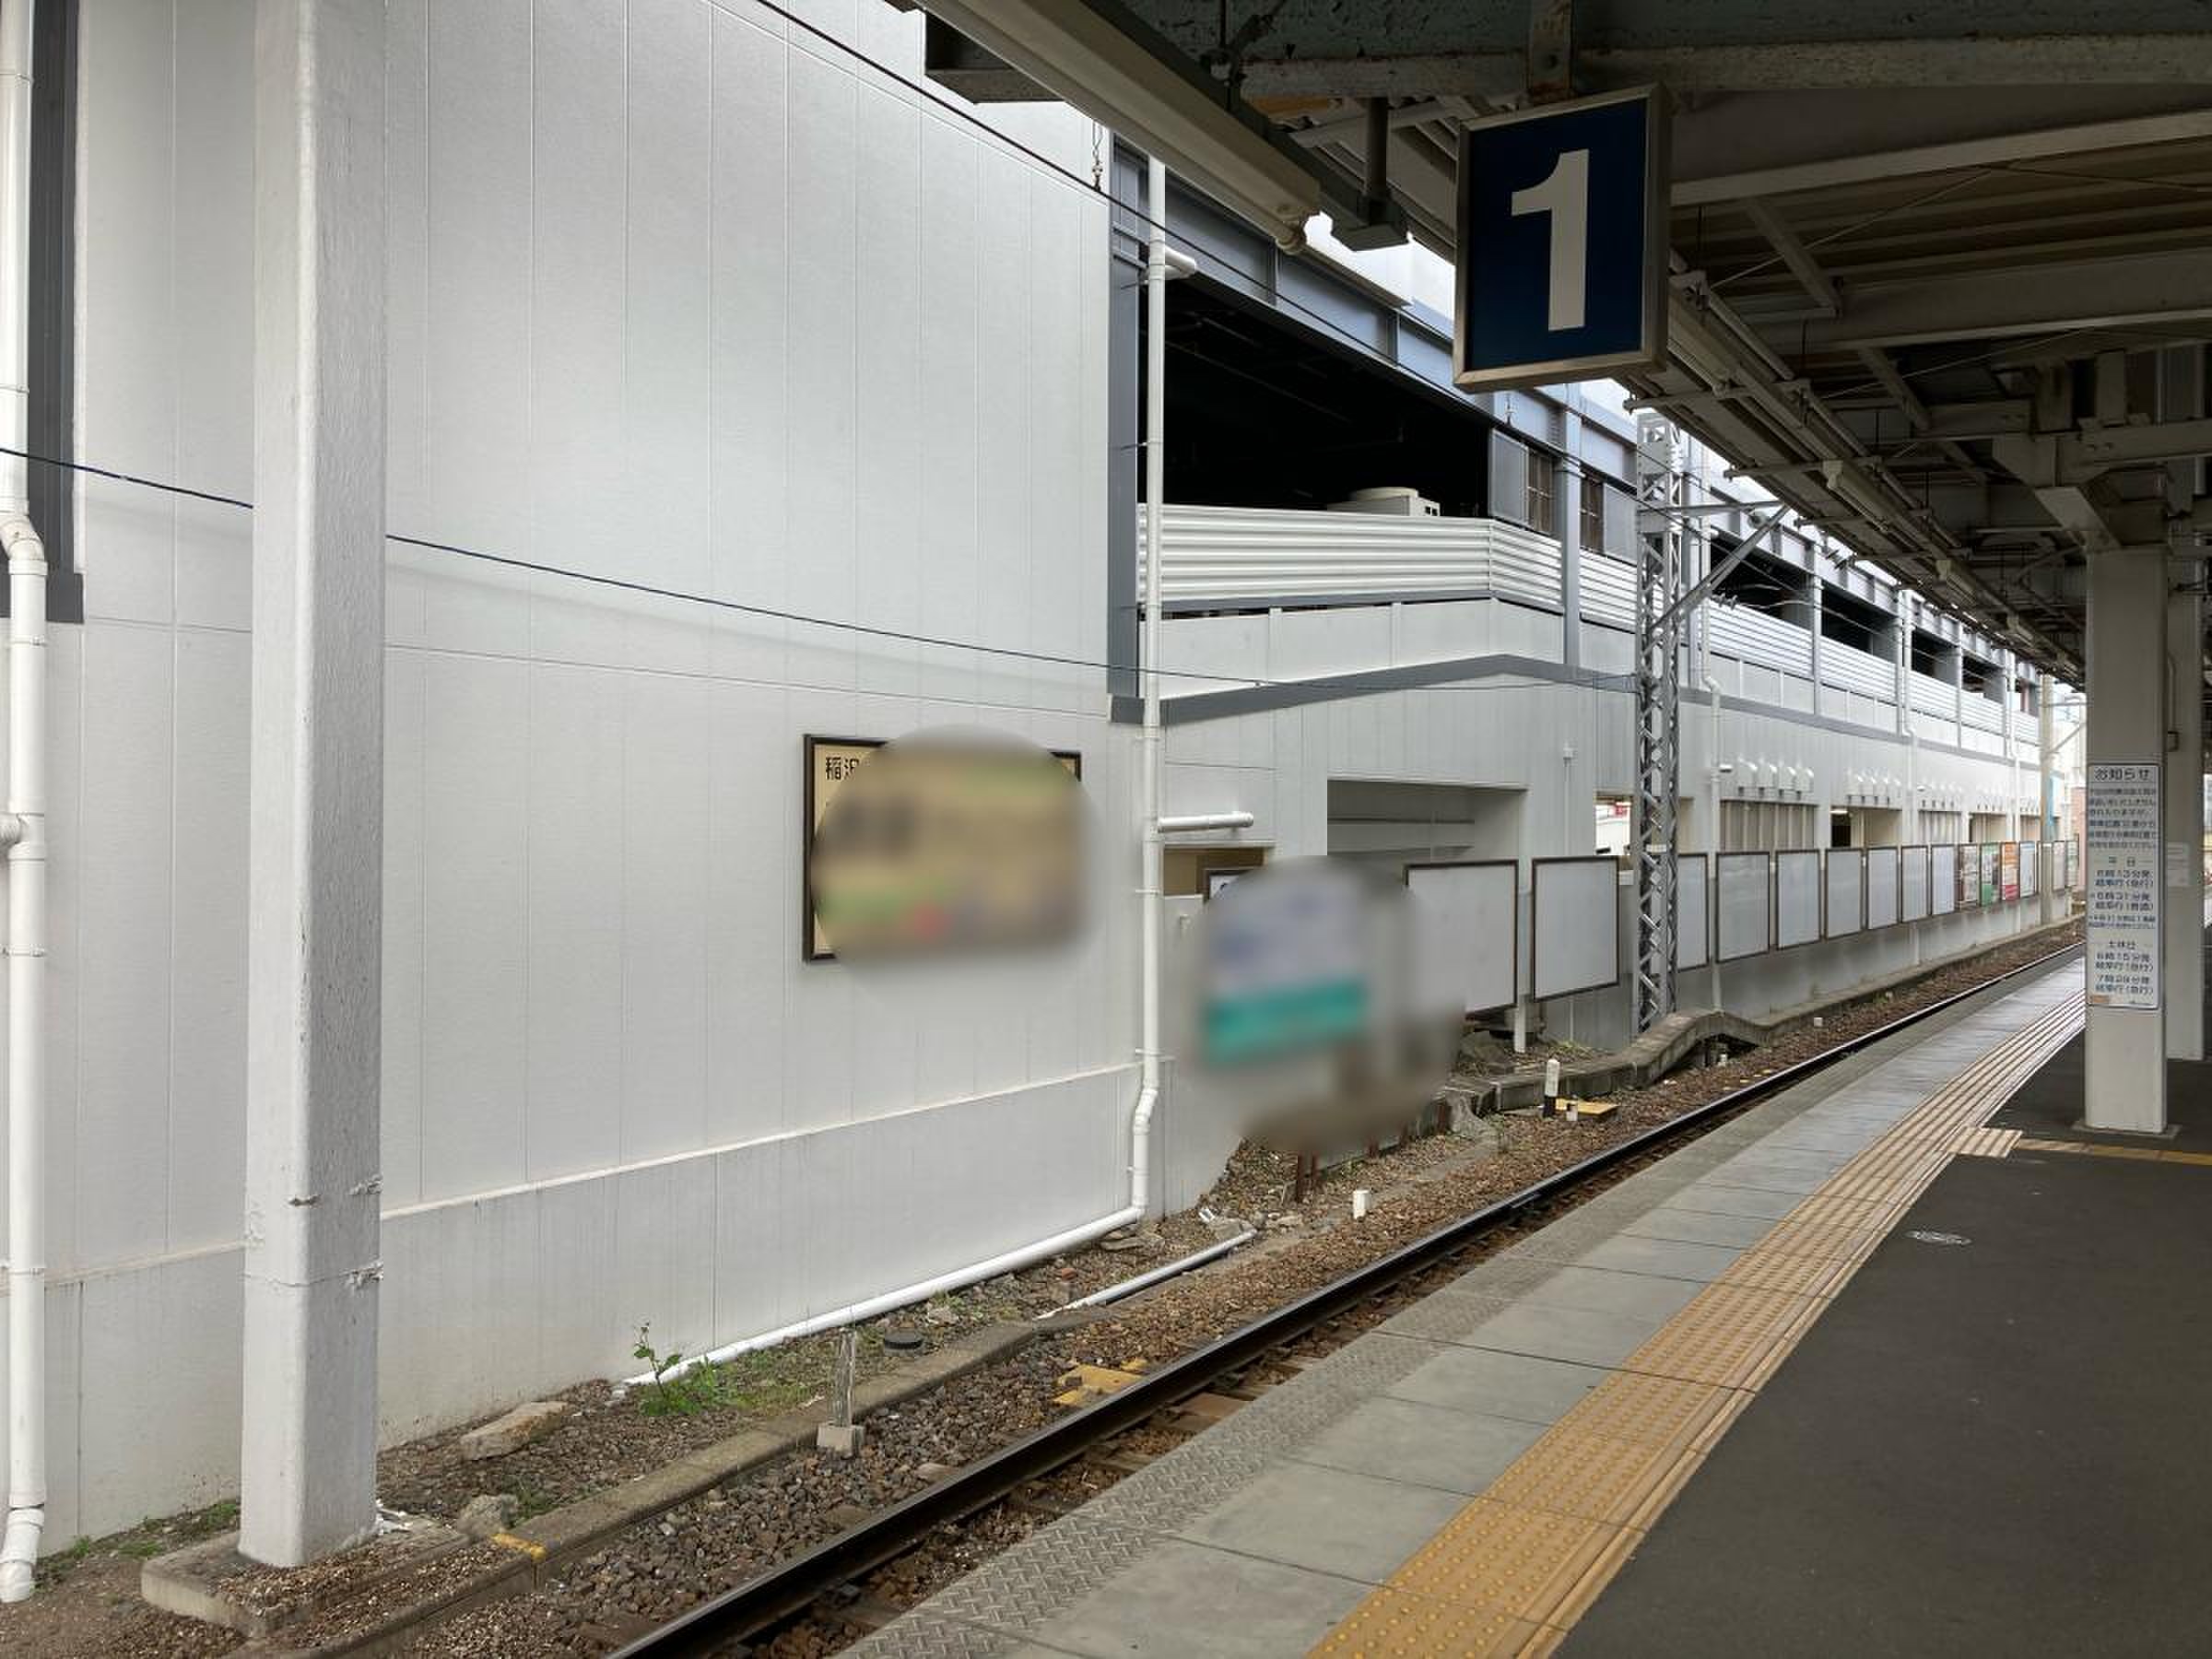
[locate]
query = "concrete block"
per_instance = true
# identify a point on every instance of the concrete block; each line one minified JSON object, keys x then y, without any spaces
{"x":532,"y":1420}
{"x":843,"y":1440}
{"x":212,"y":1581}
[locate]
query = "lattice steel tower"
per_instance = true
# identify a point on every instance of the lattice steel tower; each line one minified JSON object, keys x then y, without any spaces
{"x":1658,"y":701}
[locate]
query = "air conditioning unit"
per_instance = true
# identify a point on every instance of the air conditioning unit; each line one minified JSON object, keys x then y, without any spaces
{"x":1396,"y":502}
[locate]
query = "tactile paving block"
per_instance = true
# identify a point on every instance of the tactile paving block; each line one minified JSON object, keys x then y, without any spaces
{"x":1647,"y":1410}
{"x":1828,"y":1208}
{"x":1828,"y":1241}
{"x":1511,"y":1560}
{"x":1721,"y":1335}
{"x":1988,"y":1143}
{"x":1798,"y":1275}
{"x":1577,"y":1473}
{"x":1398,"y":1623}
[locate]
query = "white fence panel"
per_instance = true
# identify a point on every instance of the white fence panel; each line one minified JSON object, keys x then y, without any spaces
{"x":1221,"y":557}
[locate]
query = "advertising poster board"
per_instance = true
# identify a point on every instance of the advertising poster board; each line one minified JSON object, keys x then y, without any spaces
{"x":1883,"y":891}
{"x":1943,"y":894}
{"x":1693,"y":909}
{"x":1574,"y":923}
{"x":1466,"y":919}
{"x":1844,"y":905}
{"x":1743,"y":906}
{"x":1796,"y":897}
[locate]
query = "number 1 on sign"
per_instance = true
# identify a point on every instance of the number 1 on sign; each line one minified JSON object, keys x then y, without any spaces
{"x":1565,"y":195}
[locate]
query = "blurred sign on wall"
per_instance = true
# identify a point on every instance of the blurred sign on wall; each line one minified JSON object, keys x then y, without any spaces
{"x":940,"y":842}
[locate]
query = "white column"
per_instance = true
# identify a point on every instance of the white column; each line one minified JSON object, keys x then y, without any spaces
{"x":2181,"y":931}
{"x":2126,"y":1047}
{"x":307,"y":1466}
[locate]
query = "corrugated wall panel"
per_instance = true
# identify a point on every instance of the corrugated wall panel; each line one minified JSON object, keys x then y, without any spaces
{"x":1229,"y":558}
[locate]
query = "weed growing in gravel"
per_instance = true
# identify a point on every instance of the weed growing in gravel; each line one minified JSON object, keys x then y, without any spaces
{"x":674,"y":1392}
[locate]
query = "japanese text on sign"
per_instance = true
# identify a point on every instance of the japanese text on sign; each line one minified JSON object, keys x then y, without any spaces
{"x":2123,"y":883}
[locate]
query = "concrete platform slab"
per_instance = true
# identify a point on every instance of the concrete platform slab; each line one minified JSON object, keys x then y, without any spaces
{"x":1421,"y":1445}
{"x":1586,"y":1335}
{"x":1709,"y":1198}
{"x":1247,"y":1609}
{"x":1482,"y":1380}
{"x":1607,"y":1292}
{"x":1685,"y":1225}
{"x":1325,"y":1520}
{"x":1667,"y":1258}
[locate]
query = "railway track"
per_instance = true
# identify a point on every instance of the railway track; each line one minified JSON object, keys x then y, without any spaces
{"x":1049,"y":1473}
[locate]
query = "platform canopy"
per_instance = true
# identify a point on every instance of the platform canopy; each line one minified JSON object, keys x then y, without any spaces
{"x":1941,"y":275}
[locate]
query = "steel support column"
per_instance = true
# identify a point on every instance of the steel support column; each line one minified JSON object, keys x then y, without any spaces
{"x":1658,"y":709}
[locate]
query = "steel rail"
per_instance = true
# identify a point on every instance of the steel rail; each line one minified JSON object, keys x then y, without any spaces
{"x":774,"y":1597}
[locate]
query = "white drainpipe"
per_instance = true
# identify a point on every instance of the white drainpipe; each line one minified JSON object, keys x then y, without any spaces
{"x":23,"y":832}
{"x":1150,"y":886}
{"x":1159,"y":265}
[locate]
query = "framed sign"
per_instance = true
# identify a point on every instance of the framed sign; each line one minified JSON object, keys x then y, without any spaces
{"x":1563,"y":241}
{"x":1796,"y":897}
{"x":1743,"y":906}
{"x":1885,"y":886}
{"x":2122,"y":819}
{"x":1945,"y":887}
{"x":1468,"y":920}
{"x":1693,"y":909}
{"x":832,"y":762}
{"x":1844,"y":899}
{"x":1573,"y":925}
{"x":1916,"y":882}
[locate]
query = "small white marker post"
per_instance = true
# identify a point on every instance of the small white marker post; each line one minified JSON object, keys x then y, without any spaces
{"x":841,"y":1434}
{"x":1551,"y":1086}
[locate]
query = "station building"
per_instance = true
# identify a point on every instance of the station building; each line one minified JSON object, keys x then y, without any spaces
{"x":744,"y":388}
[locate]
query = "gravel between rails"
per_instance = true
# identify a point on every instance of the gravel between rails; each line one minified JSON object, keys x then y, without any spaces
{"x":660,"y":1568}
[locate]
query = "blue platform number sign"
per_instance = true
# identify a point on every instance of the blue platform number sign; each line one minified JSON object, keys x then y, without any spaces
{"x":1563,"y":241}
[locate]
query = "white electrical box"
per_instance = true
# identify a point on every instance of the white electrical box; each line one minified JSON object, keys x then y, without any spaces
{"x":1394,"y":503}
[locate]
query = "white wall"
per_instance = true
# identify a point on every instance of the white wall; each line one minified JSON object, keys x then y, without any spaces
{"x":677,"y":299}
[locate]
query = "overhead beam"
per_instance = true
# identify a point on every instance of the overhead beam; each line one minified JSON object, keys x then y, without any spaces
{"x":1794,"y":255}
{"x":1876,"y":361}
{"x":1483,"y":50}
{"x":1908,"y":162}
{"x":2070,"y":294}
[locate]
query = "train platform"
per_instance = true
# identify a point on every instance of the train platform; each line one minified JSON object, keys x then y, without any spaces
{"x":1858,"y":1371}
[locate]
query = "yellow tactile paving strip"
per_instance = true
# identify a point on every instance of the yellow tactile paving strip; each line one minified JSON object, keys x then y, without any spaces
{"x":2151,"y":1154}
{"x":1513,"y":1571}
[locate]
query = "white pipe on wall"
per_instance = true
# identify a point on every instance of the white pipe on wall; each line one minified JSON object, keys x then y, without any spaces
{"x":24,"y":832}
{"x":1152,"y":883}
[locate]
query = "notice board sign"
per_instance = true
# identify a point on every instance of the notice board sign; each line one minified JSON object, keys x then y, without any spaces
{"x":2008,"y":871}
{"x":832,"y":762}
{"x":2122,"y":818}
